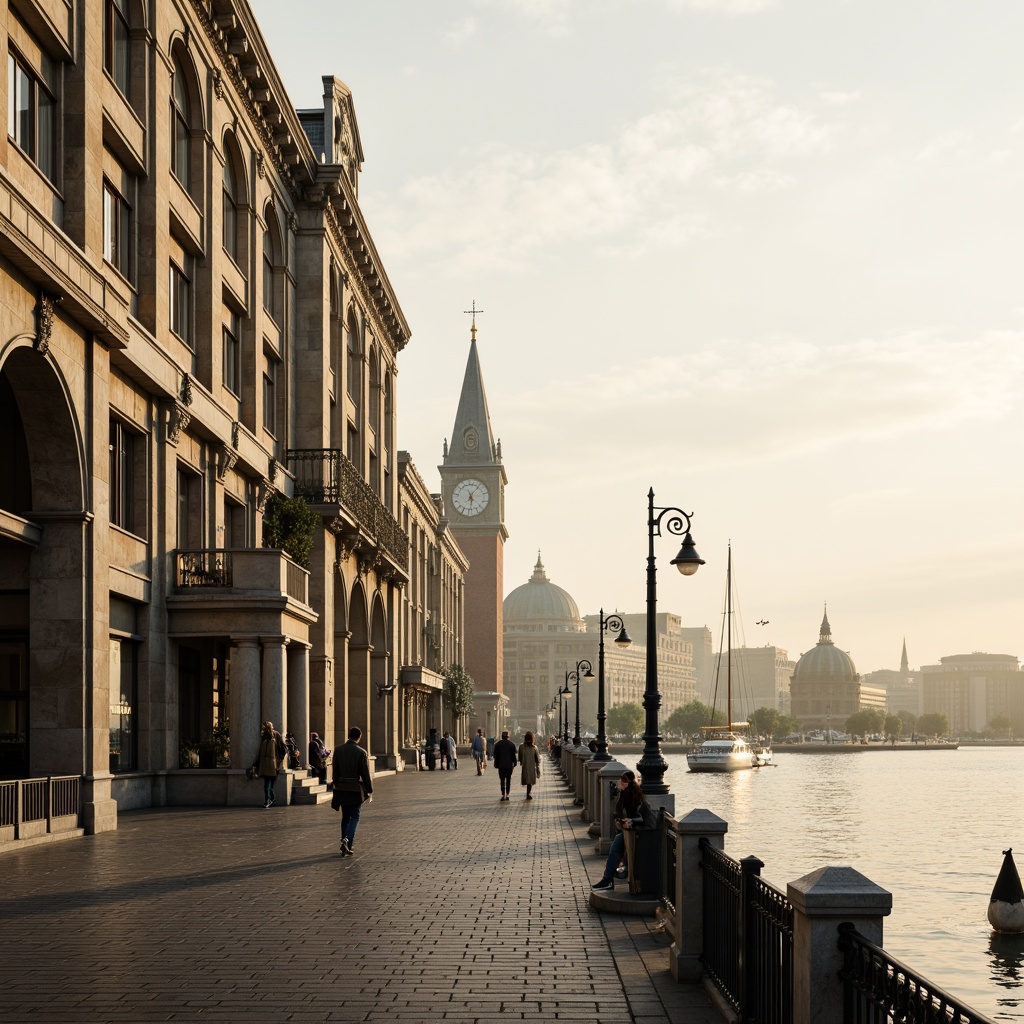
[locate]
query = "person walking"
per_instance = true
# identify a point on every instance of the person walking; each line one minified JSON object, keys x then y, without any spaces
{"x":505,"y":759}
{"x":529,"y":758}
{"x":632,"y":811}
{"x":448,"y":751}
{"x":352,"y":786}
{"x":269,"y":759}
{"x":479,"y":751}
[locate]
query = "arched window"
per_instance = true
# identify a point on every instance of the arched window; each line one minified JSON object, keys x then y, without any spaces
{"x":181,"y":126}
{"x":335,"y":328}
{"x":273,"y":280}
{"x":374,"y":403}
{"x":354,"y":381}
{"x":230,"y":208}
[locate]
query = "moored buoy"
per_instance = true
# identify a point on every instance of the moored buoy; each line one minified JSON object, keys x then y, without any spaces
{"x":1006,"y":907}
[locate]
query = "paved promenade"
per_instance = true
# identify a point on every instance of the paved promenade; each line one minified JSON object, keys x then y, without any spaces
{"x":456,"y":907}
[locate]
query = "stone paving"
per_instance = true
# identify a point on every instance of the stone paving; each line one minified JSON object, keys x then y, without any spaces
{"x":456,"y":907}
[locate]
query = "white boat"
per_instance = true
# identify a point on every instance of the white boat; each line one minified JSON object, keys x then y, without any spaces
{"x":726,"y":748}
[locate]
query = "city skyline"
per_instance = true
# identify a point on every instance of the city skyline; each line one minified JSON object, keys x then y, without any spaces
{"x":763,"y":257}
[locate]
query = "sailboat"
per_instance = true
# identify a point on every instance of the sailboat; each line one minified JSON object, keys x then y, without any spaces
{"x":726,"y":748}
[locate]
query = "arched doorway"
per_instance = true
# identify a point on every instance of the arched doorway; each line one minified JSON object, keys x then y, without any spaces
{"x":382,"y":744}
{"x":359,"y":651}
{"x":45,"y":668}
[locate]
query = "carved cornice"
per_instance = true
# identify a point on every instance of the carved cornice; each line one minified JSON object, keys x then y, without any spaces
{"x":177,"y":419}
{"x":44,"y":322}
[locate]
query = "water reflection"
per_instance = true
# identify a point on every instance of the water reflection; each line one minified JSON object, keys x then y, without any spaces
{"x":1006,"y":962}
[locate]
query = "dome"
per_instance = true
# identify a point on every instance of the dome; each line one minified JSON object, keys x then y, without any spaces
{"x":826,"y":661}
{"x":540,"y":600}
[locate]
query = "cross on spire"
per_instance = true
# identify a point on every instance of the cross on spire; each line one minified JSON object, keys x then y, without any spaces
{"x":474,"y":312}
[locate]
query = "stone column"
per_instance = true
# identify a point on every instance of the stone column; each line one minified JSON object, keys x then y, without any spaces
{"x":298,"y":695}
{"x":822,"y":901}
{"x":274,"y":682}
{"x":244,"y":701}
{"x":684,"y":959}
{"x":590,"y":808}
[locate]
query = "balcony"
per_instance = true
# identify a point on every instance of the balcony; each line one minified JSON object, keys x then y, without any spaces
{"x":325,"y":477}
{"x":224,"y":591}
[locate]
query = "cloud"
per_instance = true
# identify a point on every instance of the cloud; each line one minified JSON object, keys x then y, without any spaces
{"x":724,"y":6}
{"x":460,"y":32}
{"x":776,"y":399}
{"x":840,"y":98}
{"x":642,"y":188}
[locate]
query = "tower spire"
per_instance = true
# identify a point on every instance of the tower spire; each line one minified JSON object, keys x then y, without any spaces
{"x":474,"y":311}
{"x":472,"y":440}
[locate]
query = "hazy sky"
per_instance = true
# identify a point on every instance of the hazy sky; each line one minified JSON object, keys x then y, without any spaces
{"x":765,"y":256}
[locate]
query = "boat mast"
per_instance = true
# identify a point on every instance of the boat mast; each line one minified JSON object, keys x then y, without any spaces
{"x":728,"y":632}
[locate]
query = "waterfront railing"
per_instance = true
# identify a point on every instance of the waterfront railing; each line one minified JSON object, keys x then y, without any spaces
{"x":35,"y":807}
{"x":878,"y":988}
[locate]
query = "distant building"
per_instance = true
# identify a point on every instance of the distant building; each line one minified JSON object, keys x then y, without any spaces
{"x":825,"y":686}
{"x":760,"y":679}
{"x":699,"y":637}
{"x":972,"y":689}
{"x":544,"y":636}
{"x":902,"y":688}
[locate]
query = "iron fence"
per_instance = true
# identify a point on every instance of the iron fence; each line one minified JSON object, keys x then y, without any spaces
{"x":207,"y":568}
{"x":768,"y":941}
{"x":669,"y":896}
{"x":721,"y":957}
{"x":879,"y":989}
{"x":30,"y":801}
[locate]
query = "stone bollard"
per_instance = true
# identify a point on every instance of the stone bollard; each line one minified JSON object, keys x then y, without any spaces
{"x":582,"y":755}
{"x":593,"y":807}
{"x":684,"y":957}
{"x":822,"y":901}
{"x":608,"y":788}
{"x":590,"y":766}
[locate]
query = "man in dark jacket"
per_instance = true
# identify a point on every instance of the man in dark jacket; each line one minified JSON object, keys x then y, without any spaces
{"x":505,"y":760}
{"x":352,"y":785}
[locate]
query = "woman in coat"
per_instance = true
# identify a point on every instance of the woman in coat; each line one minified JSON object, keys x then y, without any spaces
{"x":632,"y":811}
{"x":269,"y":760}
{"x":529,"y":758}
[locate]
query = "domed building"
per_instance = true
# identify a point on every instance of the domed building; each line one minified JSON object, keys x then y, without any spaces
{"x":544,"y":636}
{"x":825,"y":686}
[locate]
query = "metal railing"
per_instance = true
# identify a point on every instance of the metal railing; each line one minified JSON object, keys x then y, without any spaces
{"x":207,"y":568}
{"x":748,"y":937}
{"x":33,"y":801}
{"x":325,"y":476}
{"x":879,"y":989}
{"x":669,"y":896}
{"x":721,"y":957}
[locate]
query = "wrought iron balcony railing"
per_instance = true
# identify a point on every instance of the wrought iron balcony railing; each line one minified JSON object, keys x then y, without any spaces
{"x":325,"y":476}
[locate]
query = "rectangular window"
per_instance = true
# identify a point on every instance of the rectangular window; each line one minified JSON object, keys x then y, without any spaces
{"x":127,"y":478}
{"x":115,"y":42}
{"x":231,"y":355}
{"x":30,"y":114}
{"x":179,"y":302}
{"x":123,"y":687}
{"x":270,"y":397}
{"x":117,"y":220}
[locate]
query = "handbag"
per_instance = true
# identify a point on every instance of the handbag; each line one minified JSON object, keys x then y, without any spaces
{"x":252,"y":772}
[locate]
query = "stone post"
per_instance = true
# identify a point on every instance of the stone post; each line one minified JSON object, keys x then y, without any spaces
{"x":579,"y":759}
{"x":608,"y":788}
{"x":822,"y":901}
{"x":274,"y":681}
{"x":684,"y":957}
{"x":591,"y":809}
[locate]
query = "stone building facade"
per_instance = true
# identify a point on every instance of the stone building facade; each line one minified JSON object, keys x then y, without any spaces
{"x":824,"y":689}
{"x":434,"y":612}
{"x":193,"y":318}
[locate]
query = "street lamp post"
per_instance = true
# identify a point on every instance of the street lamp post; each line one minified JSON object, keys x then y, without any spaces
{"x":566,"y":692}
{"x":622,"y":640}
{"x":574,"y":674}
{"x":652,"y":766}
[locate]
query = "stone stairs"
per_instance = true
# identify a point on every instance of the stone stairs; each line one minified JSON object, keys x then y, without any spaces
{"x":307,"y":789}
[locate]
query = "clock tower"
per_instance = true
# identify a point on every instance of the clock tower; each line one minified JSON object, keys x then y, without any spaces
{"x":473,"y":484}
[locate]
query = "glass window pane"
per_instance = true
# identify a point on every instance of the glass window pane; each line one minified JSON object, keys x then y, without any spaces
{"x":45,"y":155}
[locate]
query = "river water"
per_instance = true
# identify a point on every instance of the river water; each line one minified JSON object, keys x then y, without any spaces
{"x":929,"y":826}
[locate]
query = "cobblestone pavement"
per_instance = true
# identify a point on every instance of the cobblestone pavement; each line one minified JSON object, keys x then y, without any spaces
{"x":456,"y":907}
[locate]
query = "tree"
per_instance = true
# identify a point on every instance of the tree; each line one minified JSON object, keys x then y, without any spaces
{"x":934,"y":723}
{"x":865,"y":721}
{"x":893,"y":726}
{"x":909,"y":720}
{"x":1000,"y":724}
{"x":290,"y":524}
{"x":625,"y":719}
{"x":457,"y":692}
{"x":688,"y":719}
{"x":788,"y":724}
{"x":765,"y":721}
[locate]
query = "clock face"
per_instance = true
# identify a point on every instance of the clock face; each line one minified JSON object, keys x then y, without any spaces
{"x":470,"y":497}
